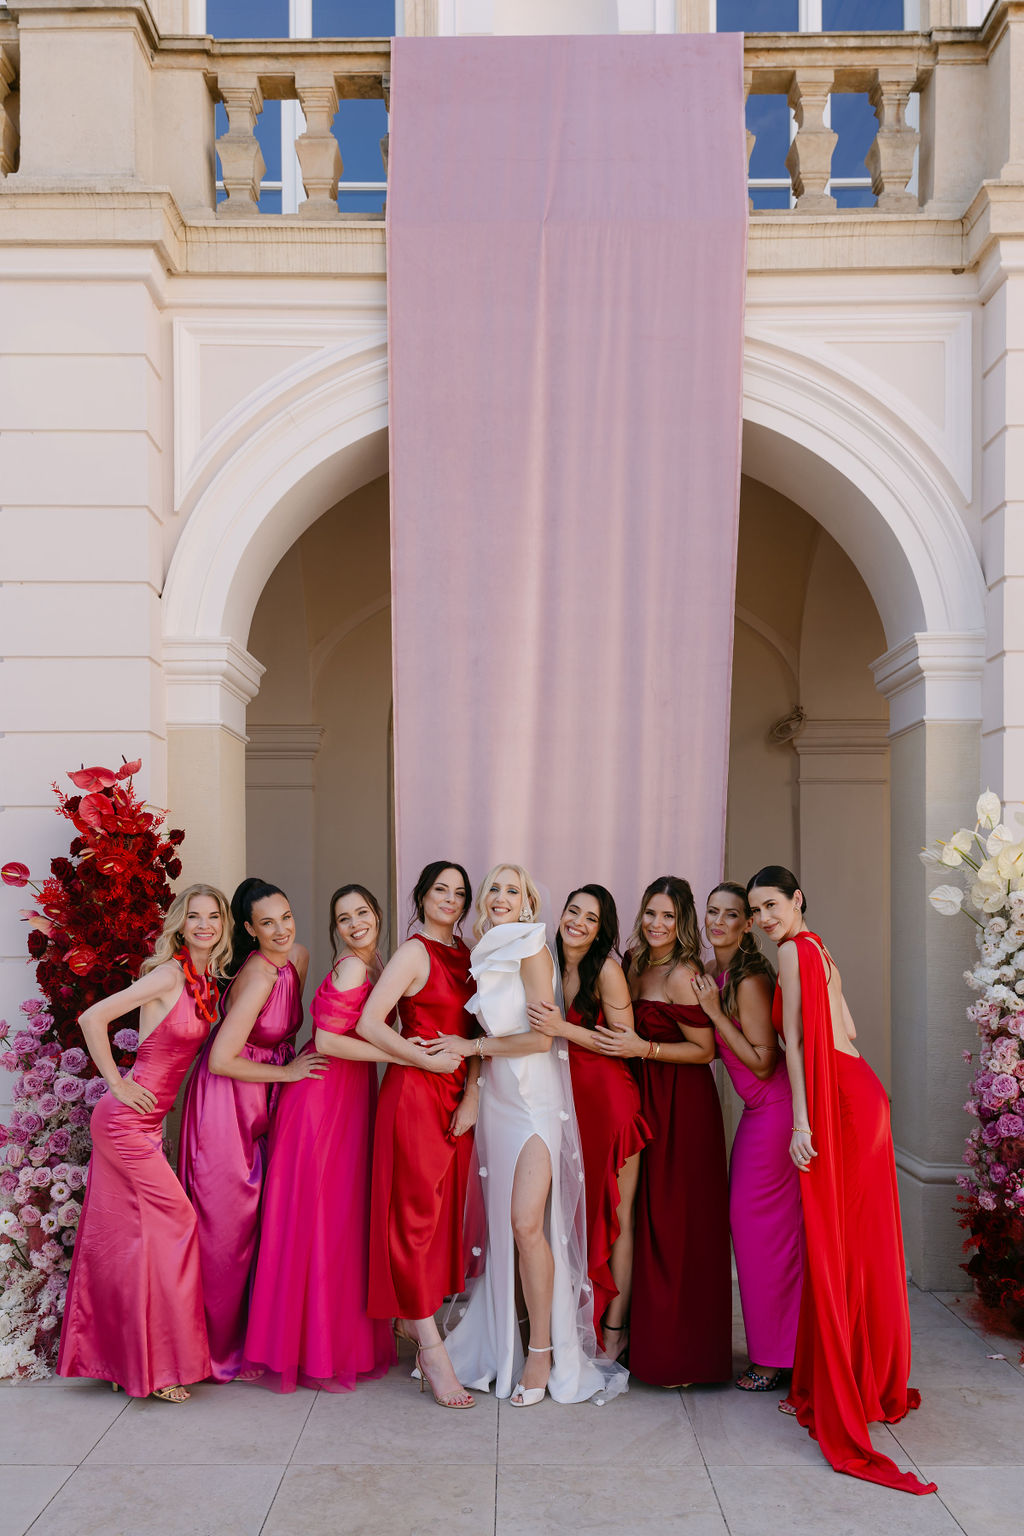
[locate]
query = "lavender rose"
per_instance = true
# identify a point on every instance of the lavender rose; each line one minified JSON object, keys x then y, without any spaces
{"x":95,"y":1088}
{"x":1010,"y":1125}
{"x":68,"y":1089}
{"x":127,"y":1039}
{"x":74,"y":1060}
{"x":78,"y":1115}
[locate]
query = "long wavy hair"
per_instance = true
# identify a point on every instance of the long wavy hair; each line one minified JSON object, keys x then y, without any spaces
{"x":687,"y":948}
{"x":530,"y":894}
{"x":776,"y":877}
{"x":242,"y":902}
{"x":353,"y":888}
{"x":605,"y":942}
{"x":426,"y":880}
{"x":749,"y":959}
{"x":172,"y":935}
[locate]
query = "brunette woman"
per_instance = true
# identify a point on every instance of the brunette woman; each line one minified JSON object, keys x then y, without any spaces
{"x":308,"y":1324}
{"x":228,"y":1102}
{"x":613,"y":1132}
{"x":134,"y":1309}
{"x":853,"y":1337}
{"x":422,"y":1145}
{"x":681,"y":1328}
{"x":764,"y":1193}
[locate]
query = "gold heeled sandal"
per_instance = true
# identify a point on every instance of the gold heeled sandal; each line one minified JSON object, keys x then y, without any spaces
{"x":463,"y":1400}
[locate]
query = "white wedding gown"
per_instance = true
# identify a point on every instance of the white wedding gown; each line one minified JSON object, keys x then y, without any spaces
{"x":522,"y":1097}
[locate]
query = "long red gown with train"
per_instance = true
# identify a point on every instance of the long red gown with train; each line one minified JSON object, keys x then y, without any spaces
{"x":307,"y":1315}
{"x":612,"y":1130}
{"x":134,"y":1309}
{"x":681,"y":1314}
{"x":420,"y":1171}
{"x":853,"y":1338}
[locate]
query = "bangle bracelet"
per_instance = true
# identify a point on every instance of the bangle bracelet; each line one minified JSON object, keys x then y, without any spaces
{"x":480,"y":1046}
{"x":657,"y":1049}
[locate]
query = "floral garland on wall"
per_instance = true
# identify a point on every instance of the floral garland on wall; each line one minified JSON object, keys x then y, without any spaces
{"x":992,"y":1193}
{"x":98,"y":913}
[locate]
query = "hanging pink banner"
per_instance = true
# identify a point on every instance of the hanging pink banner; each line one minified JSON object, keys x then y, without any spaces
{"x":566,"y":260}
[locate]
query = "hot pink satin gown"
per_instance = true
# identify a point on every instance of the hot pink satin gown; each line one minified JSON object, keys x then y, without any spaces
{"x":307,"y":1316}
{"x":221,"y":1163}
{"x":134,"y":1309}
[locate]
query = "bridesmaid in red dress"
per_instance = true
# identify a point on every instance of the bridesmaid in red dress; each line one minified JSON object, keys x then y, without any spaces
{"x":613,"y":1132}
{"x":853,"y":1336}
{"x":228,"y":1102}
{"x":422,"y":1146}
{"x":134,"y":1309}
{"x":681,"y":1329}
{"x":307,"y":1315}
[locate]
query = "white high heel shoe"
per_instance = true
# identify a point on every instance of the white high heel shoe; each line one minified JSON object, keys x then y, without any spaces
{"x":526,"y":1397}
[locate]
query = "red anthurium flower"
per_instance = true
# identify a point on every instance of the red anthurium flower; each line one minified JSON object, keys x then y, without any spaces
{"x":92,"y":779}
{"x":15,"y":874}
{"x":36,"y":920}
{"x":111,"y":863}
{"x":95,"y":811}
{"x":81,"y":959}
{"x":127,"y":769}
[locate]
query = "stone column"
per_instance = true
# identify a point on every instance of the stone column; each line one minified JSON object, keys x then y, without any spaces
{"x":8,"y":112}
{"x":279,"y":833}
{"x":932,"y":683}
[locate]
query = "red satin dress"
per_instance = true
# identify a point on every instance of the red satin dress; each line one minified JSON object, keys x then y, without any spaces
{"x":134,"y":1309}
{"x":681,"y":1314}
{"x":853,"y":1337}
{"x":420,"y":1171}
{"x":612,"y":1130}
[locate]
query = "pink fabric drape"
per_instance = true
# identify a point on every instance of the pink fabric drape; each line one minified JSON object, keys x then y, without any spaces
{"x":566,"y":259}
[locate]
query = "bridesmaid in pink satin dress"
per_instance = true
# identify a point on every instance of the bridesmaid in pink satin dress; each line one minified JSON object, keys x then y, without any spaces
{"x":764,"y":1186}
{"x":307,"y":1317}
{"x":228,"y":1104}
{"x":134,"y":1309}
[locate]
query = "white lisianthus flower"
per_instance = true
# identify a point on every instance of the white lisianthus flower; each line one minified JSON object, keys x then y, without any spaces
{"x":947,"y":899}
{"x":989,"y":809}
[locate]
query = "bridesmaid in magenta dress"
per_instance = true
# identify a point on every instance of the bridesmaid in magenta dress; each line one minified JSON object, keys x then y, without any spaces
{"x":613,"y":1132}
{"x":308,"y":1324}
{"x":134,"y":1309}
{"x":681,"y":1320}
{"x":764,"y":1186}
{"x":228,"y":1103}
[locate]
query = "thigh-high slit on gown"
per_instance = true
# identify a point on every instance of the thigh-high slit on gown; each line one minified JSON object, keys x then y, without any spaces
{"x":681,"y":1315}
{"x":308,"y":1324}
{"x":612,"y":1130}
{"x":222,"y":1162}
{"x":134,"y":1309}
{"x":420,"y":1171}
{"x":853,"y":1338}
{"x":522,"y":1098}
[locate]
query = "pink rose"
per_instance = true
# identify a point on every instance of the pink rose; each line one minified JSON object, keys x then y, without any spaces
{"x":1010,"y":1125}
{"x":68,"y":1089}
{"x":74,"y":1060}
{"x":987,"y":1200}
{"x":17,"y":1233}
{"x":1004,"y":1088}
{"x":8,"y":1181}
{"x":60,"y":1172}
{"x":59,"y":1142}
{"x":127,"y":1039}
{"x":971,"y":1107}
{"x":32,"y":1005}
{"x":18,"y":1135}
{"x":94,"y":1091}
{"x":5,"y":1029}
{"x":990,"y":1134}
{"x":9,"y":1061}
{"x":14,"y":1155}
{"x":76,"y":1178}
{"x":48,"y":1104}
{"x":42,"y":1178}
{"x":52,"y":1249}
{"x":45,"y":1069}
{"x":32,"y":1083}
{"x":24,"y":1042}
{"x":38,"y":1025}
{"x":78,"y":1115}
{"x":69,"y":1213}
{"x":997,"y":1173}
{"x":970,"y":1156}
{"x":37,"y":1156}
{"x":28,"y":1216}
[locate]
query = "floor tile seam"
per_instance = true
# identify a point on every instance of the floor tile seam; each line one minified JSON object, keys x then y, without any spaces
{"x":273,"y":1500}
{"x":59,"y":1489}
{"x":302,"y":1429}
{"x":122,"y":1410}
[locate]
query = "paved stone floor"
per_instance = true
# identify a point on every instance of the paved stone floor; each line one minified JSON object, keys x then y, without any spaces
{"x":238,"y":1461}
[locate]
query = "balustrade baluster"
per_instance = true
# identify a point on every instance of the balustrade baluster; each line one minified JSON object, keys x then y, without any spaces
{"x":241,"y":159}
{"x":809,"y":161}
{"x":748,"y":80}
{"x":385,"y":81}
{"x":890,"y":160}
{"x":319,"y":155}
{"x":8,"y":127}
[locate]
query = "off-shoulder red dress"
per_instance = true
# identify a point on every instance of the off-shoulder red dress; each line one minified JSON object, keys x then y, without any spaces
{"x":420,"y":1171}
{"x":681,"y":1315}
{"x":853,"y":1337}
{"x":612,"y":1130}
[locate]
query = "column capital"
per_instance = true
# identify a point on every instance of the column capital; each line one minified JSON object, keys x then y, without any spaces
{"x":932,"y":676}
{"x":210,"y":680}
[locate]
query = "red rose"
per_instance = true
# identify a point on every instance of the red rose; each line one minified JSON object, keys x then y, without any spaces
{"x":173,"y":867}
{"x":176,"y":836}
{"x":37,"y":943}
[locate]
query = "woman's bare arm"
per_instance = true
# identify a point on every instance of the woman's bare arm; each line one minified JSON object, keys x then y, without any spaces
{"x":249,"y":992}
{"x":160,"y":987}
{"x":405,"y":974}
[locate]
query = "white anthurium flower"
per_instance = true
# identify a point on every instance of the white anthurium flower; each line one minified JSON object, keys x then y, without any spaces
{"x":995,"y":902}
{"x":997,"y":840}
{"x":963,"y":841}
{"x":950,"y":856}
{"x":929,"y":857}
{"x":1010,"y":862}
{"x":979,"y":895}
{"x":989,"y":809}
{"x":988,"y":875}
{"x":947,"y":899}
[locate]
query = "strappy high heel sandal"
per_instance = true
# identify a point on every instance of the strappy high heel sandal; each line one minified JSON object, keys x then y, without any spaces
{"x":460,"y":1400}
{"x":172,"y":1394}
{"x":526,"y":1397}
{"x":623,"y":1346}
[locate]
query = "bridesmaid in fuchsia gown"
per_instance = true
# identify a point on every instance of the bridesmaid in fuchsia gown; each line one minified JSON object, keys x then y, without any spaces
{"x":134,"y":1309}
{"x":307,"y":1316}
{"x":228,"y":1104}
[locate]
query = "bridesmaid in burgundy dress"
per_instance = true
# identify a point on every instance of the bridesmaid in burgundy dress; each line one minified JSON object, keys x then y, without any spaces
{"x":134,"y":1309}
{"x":228,"y":1103}
{"x":307,"y":1316}
{"x":681,"y":1330}
{"x":422,"y":1146}
{"x":613,"y":1132}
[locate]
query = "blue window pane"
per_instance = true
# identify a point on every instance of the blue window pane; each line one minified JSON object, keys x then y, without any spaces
{"x":353,"y":18}
{"x":247,"y":18}
{"x":758,"y":15}
{"x":862,"y":16}
{"x":853,"y":197}
{"x":270,"y":202}
{"x":853,"y":119}
{"x":768,"y":119}
{"x":769,"y":197}
{"x":360,"y":202}
{"x":268,"y":134}
{"x":359,"y":127}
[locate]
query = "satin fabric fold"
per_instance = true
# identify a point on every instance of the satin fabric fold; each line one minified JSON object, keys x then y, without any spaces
{"x":853,"y":1339}
{"x":134,"y":1308}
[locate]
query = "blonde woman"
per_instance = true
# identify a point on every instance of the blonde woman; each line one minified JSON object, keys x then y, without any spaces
{"x":530,"y":1169}
{"x":134,"y":1311}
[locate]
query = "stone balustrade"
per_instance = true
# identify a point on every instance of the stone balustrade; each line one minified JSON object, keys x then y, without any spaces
{"x":8,"y":98}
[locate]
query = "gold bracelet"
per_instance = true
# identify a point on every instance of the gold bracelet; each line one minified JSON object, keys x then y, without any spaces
{"x":802,"y":1130}
{"x":657,"y":1049}
{"x":480,"y":1046}
{"x":650,"y":1051}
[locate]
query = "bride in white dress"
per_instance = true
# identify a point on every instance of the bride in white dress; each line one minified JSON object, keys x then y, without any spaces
{"x":531,"y":1172}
